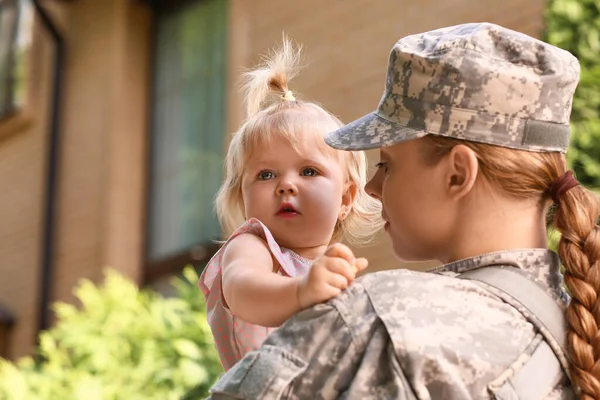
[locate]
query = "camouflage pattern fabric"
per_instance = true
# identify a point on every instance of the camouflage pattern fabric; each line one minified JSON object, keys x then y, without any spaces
{"x":402,"y":335}
{"x":479,"y":82}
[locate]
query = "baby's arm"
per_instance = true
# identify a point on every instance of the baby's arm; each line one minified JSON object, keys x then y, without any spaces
{"x":257,"y":295}
{"x":251,"y":288}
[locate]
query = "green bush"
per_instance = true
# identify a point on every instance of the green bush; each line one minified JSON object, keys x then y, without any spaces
{"x":123,"y":343}
{"x":574,"y":25}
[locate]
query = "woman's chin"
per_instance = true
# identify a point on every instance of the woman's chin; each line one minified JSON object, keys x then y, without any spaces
{"x":407,"y":256}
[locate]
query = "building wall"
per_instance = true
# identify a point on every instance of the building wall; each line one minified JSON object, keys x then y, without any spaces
{"x":23,"y":144}
{"x":101,"y":192}
{"x":101,"y":188}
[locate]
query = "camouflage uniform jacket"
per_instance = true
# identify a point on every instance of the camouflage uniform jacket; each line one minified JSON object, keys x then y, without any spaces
{"x":402,"y":335}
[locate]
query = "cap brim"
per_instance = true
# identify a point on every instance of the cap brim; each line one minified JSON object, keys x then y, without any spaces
{"x":371,"y":132}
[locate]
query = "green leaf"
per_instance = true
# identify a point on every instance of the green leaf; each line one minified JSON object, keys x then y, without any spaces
{"x":123,"y":343}
{"x":574,"y":25}
{"x":187,"y":348}
{"x":192,"y":372}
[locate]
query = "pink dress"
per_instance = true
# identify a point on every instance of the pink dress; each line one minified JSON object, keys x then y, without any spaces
{"x":233,"y":336}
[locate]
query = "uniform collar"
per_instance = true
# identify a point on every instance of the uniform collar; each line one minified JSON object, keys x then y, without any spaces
{"x":540,"y":265}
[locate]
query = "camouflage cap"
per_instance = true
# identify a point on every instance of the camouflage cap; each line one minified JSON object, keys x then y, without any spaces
{"x":479,"y":82}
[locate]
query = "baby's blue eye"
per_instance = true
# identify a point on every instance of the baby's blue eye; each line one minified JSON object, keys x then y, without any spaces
{"x":309,"y":172}
{"x":265,"y":175}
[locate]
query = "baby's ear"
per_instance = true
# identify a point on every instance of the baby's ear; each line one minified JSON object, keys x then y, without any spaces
{"x":349,"y":195}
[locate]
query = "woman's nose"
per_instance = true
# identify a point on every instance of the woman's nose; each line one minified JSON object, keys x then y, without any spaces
{"x":373,"y":187}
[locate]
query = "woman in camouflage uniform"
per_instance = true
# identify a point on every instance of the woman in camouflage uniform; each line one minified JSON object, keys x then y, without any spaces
{"x":472,"y":130}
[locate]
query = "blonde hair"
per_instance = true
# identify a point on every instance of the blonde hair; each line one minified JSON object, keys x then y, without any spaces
{"x":272,"y":111}
{"x":576,"y":218}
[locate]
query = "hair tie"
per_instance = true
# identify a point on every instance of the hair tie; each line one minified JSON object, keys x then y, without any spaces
{"x":562,"y":185}
{"x":288,"y":96}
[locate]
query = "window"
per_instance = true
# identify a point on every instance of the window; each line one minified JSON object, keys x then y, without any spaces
{"x":16,"y":17}
{"x":188,"y":132}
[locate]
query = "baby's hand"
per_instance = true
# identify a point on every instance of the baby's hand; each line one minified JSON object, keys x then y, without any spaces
{"x":329,"y":275}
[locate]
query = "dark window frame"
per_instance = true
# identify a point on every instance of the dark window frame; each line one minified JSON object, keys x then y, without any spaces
{"x":197,"y":257}
{"x":7,"y":321}
{"x":160,"y":6}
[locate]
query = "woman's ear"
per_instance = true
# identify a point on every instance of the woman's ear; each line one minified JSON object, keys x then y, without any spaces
{"x":348,"y":199}
{"x":463,"y":168}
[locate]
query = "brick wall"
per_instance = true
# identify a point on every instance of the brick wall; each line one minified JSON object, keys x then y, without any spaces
{"x":23,"y":144}
{"x":100,"y":204}
{"x":101,"y":207}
